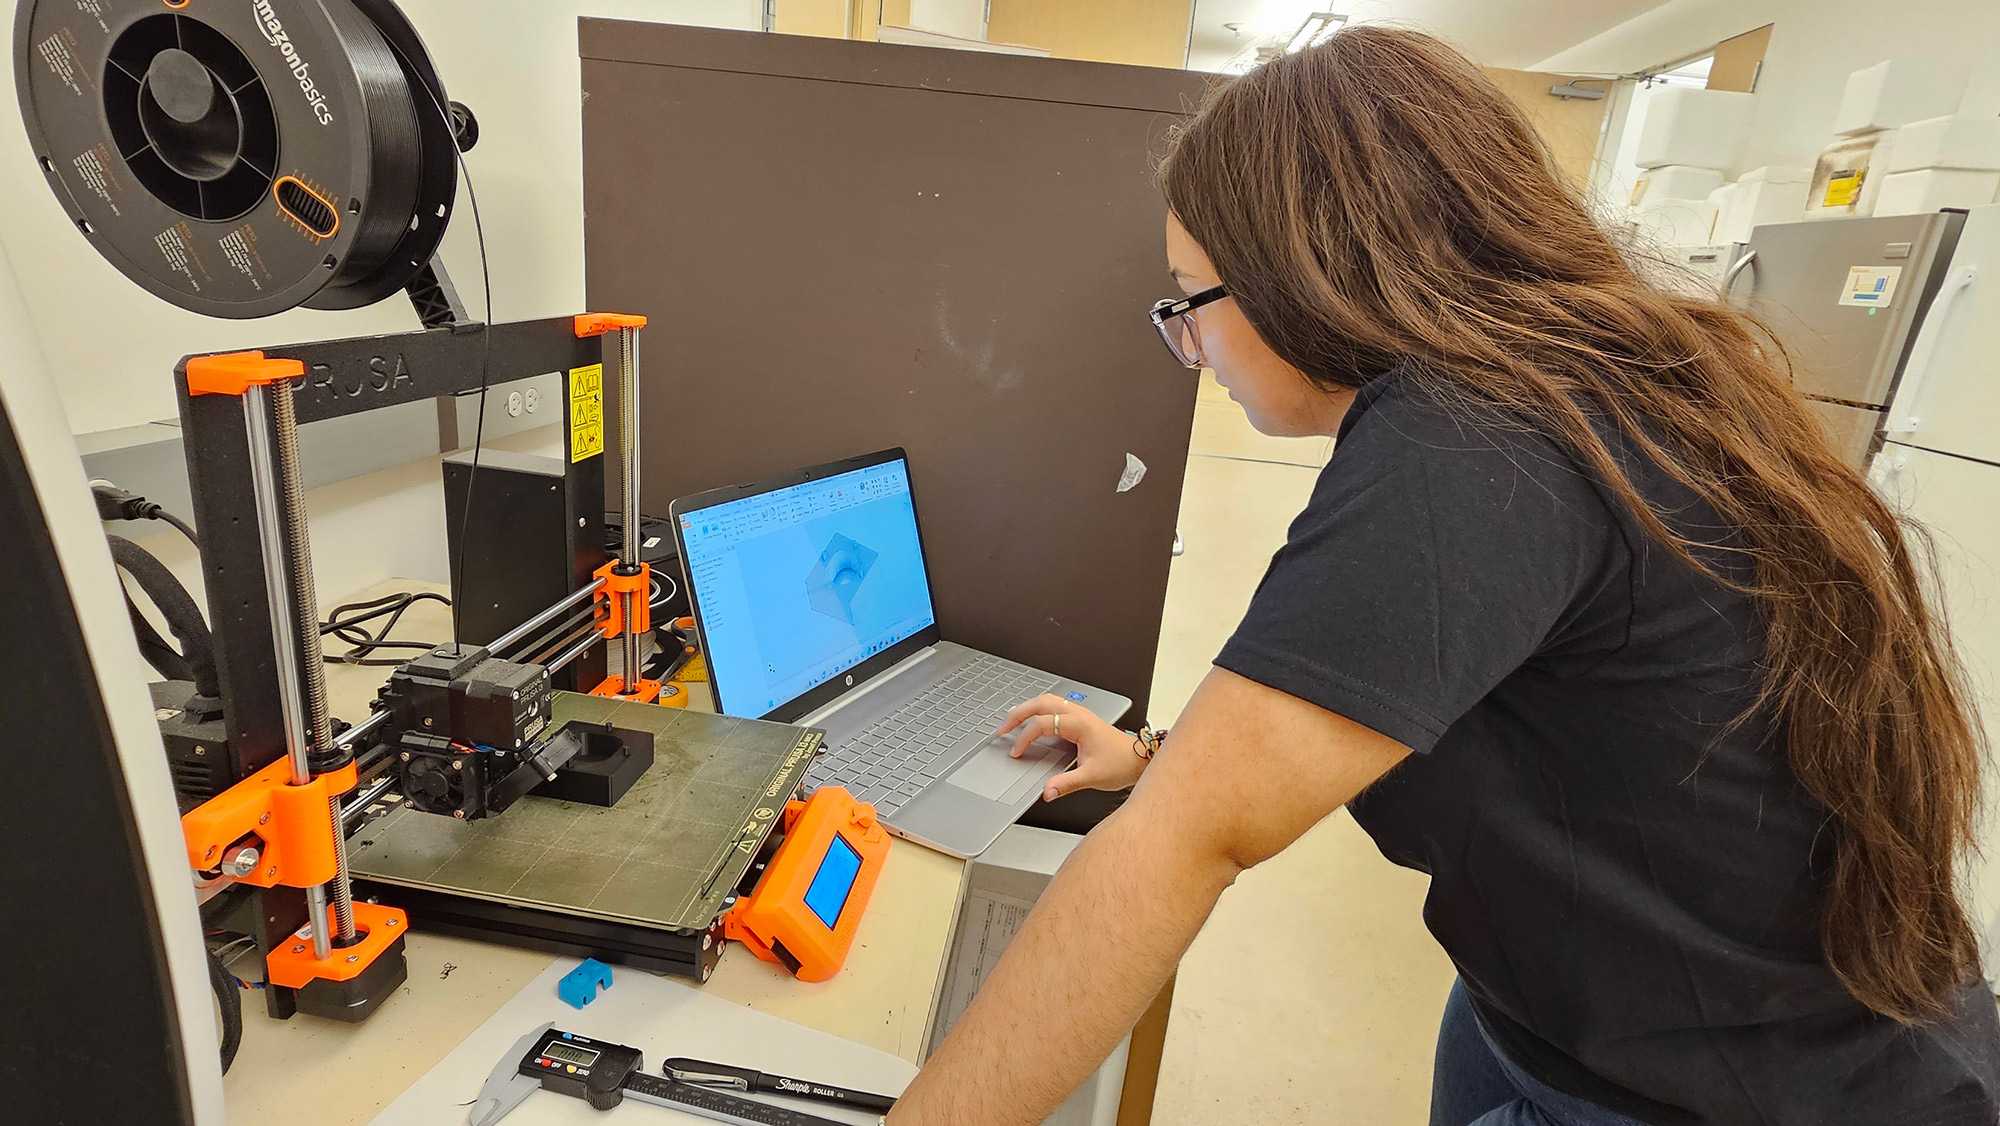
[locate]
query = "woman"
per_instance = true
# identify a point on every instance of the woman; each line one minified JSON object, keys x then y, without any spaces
{"x":1620,"y":652}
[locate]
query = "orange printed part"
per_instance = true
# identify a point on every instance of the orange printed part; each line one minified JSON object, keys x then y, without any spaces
{"x":290,"y":826}
{"x":614,"y":688}
{"x":293,"y":966}
{"x":776,"y":915}
{"x":233,"y":373}
{"x":597,"y":324}
{"x":611,"y":608}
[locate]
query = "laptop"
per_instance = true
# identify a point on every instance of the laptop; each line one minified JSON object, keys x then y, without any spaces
{"x":812,"y":598}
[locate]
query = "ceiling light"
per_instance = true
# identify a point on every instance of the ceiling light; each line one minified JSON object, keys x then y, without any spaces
{"x":1314,"y":31}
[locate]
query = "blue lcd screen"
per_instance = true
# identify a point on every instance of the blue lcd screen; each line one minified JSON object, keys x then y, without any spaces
{"x":828,"y":893}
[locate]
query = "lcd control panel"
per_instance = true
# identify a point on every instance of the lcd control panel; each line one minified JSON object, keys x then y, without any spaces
{"x":808,"y":904}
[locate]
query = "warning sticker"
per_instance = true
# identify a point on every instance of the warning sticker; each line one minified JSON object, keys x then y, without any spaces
{"x":1844,"y":188}
{"x":586,"y":411}
{"x":1870,"y":285}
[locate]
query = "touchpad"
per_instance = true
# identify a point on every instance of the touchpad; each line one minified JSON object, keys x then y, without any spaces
{"x":993,"y":774}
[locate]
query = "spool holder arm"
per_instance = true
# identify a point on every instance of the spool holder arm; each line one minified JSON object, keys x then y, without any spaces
{"x":435,"y":298}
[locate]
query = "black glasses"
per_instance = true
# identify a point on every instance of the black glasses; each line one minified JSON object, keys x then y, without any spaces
{"x":1174,"y":318}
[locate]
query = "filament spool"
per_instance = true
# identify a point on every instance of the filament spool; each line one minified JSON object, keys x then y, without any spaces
{"x":241,"y":159}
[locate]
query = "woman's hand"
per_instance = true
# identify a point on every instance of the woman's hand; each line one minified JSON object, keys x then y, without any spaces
{"x":1105,"y":756}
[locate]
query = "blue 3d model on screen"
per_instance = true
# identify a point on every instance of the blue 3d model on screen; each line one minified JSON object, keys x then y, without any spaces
{"x":836,"y":575}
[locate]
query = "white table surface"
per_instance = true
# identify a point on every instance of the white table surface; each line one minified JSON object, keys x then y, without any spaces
{"x":663,"y":1018}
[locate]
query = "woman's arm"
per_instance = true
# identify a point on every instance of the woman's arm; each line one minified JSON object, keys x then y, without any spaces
{"x":1248,"y":770}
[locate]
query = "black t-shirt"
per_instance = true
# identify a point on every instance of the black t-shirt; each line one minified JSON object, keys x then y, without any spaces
{"x":1627,"y":885}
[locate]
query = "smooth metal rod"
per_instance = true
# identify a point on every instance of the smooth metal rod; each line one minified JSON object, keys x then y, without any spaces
{"x":374,"y":720}
{"x":277,"y":584}
{"x":367,"y":797}
{"x":631,"y":650}
{"x":550,"y":646}
{"x":505,"y":640}
{"x":575,"y":651}
{"x":628,"y":438}
{"x":316,"y":915}
{"x":628,"y":432}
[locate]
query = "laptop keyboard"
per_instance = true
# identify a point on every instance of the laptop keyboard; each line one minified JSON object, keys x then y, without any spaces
{"x":896,"y":757}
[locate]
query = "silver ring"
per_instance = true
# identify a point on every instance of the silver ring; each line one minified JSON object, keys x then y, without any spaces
{"x":1058,"y":730}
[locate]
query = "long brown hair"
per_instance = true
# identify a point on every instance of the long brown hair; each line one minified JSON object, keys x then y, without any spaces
{"x":1377,"y":199}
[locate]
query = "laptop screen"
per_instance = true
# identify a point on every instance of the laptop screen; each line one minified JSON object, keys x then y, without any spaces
{"x":799,"y":584}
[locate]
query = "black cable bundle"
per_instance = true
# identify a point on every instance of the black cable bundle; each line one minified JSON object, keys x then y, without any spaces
{"x":345,"y":622}
{"x":229,"y":1000}
{"x":195,"y":659}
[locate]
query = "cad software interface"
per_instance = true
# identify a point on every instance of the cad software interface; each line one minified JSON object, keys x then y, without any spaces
{"x":800,"y":584}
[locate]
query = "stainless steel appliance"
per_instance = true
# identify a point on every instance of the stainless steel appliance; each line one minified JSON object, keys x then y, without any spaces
{"x":1845,"y":297}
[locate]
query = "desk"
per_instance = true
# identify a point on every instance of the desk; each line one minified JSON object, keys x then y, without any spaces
{"x":309,"y":1071}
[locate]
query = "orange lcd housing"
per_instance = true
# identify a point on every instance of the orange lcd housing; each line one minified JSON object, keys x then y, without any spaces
{"x":806,"y":907}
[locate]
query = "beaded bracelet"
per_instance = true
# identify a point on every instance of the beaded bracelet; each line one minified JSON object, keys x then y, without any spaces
{"x":1146,"y":742}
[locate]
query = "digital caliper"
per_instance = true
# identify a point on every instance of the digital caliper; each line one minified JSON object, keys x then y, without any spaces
{"x":604,"y":1075}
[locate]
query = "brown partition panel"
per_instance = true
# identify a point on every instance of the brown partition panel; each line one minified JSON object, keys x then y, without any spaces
{"x":845,"y":246}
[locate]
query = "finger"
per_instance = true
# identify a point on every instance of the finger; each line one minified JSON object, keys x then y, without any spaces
{"x":1041,"y":705}
{"x":1039,"y":727}
{"x":1068,"y":782}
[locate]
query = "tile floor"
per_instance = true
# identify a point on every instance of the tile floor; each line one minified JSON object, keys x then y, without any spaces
{"x":1314,"y":992}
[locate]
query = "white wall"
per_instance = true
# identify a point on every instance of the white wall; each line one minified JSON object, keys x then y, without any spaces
{"x":112,"y":346}
{"x":963,"y":18}
{"x":1815,"y":44}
